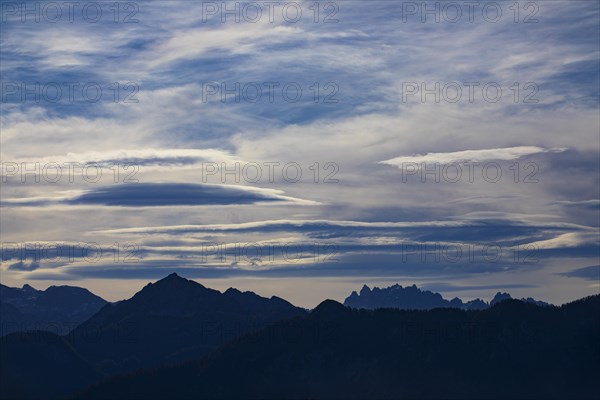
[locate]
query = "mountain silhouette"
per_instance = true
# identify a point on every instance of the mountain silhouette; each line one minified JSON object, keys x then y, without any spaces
{"x":57,"y":309}
{"x":413,"y":298}
{"x":172,"y":320}
{"x":177,"y":339}
{"x":512,"y":350}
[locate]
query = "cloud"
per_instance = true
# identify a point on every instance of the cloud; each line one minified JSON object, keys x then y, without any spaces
{"x":290,"y":225}
{"x":193,"y":43}
{"x":569,"y":240}
{"x":138,"y":157}
{"x":469,"y":228}
{"x":585,"y":204}
{"x":591,"y":273}
{"x":163,"y":194}
{"x":500,"y":154}
{"x":446,"y":287}
{"x":475,"y":238}
{"x":22,"y":266}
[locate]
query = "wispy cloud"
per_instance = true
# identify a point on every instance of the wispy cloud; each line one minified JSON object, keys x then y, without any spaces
{"x":591,"y":273}
{"x":503,"y":154}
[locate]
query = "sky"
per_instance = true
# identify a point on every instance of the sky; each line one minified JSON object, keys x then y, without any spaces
{"x":302,"y":149}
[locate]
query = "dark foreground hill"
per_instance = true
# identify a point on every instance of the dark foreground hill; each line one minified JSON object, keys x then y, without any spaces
{"x":513,"y":350}
{"x":41,"y":365}
{"x":57,"y":309}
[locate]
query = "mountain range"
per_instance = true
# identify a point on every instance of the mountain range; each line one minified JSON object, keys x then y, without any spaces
{"x":413,"y":298}
{"x":60,"y":309}
{"x":176,"y":338}
{"x":57,"y":309}
{"x":512,"y":350}
{"x":170,"y":321}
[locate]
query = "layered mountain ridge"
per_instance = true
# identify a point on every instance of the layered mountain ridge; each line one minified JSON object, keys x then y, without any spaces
{"x":176,"y":338}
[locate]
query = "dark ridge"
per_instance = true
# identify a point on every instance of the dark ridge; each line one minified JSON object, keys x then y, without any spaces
{"x":329,"y":307}
{"x":513,"y":350}
{"x":172,"y":320}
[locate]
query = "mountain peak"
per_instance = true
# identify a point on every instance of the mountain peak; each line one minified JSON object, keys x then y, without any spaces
{"x":28,"y":288}
{"x":170,"y":287}
{"x":329,"y":307}
{"x":396,"y":296}
{"x":365,"y":290}
{"x":175,"y":279}
{"x":500,"y":297}
{"x":175,"y":295}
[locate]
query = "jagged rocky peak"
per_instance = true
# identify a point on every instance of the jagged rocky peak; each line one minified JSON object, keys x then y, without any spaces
{"x":500,"y":297}
{"x":411,"y":297}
